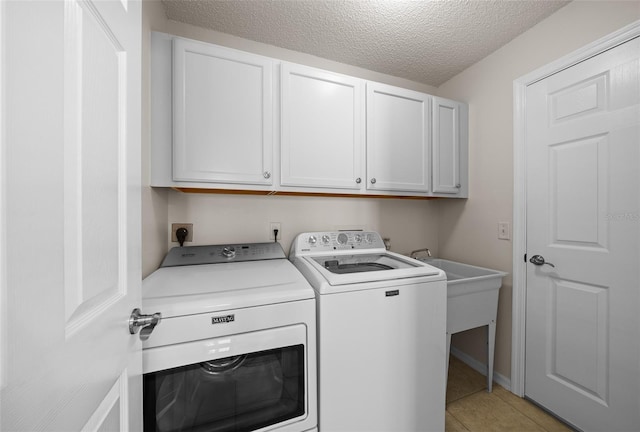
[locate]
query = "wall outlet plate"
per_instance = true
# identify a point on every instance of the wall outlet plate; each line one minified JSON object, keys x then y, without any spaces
{"x":275,"y":226}
{"x":174,"y":228}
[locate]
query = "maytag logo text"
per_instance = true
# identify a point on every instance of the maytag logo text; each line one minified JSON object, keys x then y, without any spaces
{"x":223,"y":319}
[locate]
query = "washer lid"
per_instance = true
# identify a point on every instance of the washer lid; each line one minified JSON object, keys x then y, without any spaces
{"x":187,"y":290}
{"x":342,"y":269}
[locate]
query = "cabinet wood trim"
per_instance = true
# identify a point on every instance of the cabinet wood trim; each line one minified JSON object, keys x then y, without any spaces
{"x":287,"y":193}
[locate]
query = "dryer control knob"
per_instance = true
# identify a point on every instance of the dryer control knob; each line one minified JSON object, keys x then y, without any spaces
{"x":343,"y":238}
{"x":326,"y":239}
{"x":312,"y":240}
{"x":229,"y":252}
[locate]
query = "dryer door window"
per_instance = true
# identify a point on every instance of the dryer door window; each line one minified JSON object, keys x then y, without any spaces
{"x":239,"y":393}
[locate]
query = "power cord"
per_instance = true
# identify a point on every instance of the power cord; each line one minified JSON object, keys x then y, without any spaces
{"x":181,"y":235}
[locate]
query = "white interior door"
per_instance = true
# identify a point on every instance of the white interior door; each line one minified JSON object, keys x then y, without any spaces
{"x":583,"y":216}
{"x":71,"y":211}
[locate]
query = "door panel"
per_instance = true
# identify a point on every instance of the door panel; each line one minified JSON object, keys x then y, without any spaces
{"x":398,"y":138}
{"x":583,"y":202}
{"x":95,"y":107}
{"x":578,"y":192}
{"x":446,"y":146}
{"x":72,"y":209}
{"x":578,"y":337}
{"x":322,"y":128}
{"x":222,"y":115}
{"x":112,"y":410}
{"x":581,"y":99}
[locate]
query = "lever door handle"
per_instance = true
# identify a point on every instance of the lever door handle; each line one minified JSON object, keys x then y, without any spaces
{"x":138,"y":320}
{"x":539,"y":260}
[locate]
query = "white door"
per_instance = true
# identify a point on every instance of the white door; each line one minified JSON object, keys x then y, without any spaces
{"x":322,"y":128}
{"x":397,"y":139}
{"x":71,"y":215}
{"x":583,"y":216}
{"x":222,"y":114}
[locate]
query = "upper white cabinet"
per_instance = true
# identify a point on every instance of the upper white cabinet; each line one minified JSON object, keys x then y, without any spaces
{"x":231,"y":120}
{"x":322,"y":129}
{"x":449,"y":147}
{"x":398,"y":138}
{"x":222,"y":115}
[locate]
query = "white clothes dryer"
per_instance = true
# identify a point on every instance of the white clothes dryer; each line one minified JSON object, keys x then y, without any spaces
{"x":381,"y":333}
{"x":235,"y":349}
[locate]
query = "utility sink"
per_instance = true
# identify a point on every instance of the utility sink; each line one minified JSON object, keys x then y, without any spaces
{"x":472,"y":301}
{"x":465,"y":279}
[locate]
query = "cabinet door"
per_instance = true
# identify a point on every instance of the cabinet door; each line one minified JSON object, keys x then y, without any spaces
{"x":397,"y":139}
{"x":446,"y":146}
{"x":322,"y":128}
{"x":222,"y":115}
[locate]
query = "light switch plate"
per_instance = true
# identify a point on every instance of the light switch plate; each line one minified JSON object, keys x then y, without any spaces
{"x":504,"y":231}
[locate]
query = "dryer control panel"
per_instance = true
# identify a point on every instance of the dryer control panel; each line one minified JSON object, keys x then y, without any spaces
{"x":330,"y":241}
{"x":216,"y":254}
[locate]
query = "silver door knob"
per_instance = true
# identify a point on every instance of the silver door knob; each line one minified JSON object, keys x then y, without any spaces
{"x":266,"y":174}
{"x":539,"y":260}
{"x":458,"y":185}
{"x":373,"y":180}
{"x":358,"y":180}
{"x":147,"y":322}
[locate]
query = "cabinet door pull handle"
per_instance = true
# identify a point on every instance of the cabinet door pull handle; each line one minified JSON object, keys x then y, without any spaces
{"x":358,"y":180}
{"x":267,"y":174}
{"x":373,"y":180}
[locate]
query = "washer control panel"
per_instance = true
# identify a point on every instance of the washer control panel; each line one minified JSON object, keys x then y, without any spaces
{"x":338,"y":240}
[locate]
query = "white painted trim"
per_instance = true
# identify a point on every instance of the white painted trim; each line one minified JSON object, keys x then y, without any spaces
{"x":480,"y":367}
{"x":3,"y":206}
{"x":520,"y":187}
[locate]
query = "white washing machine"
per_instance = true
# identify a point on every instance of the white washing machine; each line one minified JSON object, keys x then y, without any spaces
{"x":235,"y":348}
{"x":381,"y":333}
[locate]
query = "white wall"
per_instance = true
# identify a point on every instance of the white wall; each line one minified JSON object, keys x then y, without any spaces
{"x":468,"y":230}
{"x":242,"y":218}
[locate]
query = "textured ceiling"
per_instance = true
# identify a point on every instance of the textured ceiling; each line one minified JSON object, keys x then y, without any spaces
{"x":423,"y":41}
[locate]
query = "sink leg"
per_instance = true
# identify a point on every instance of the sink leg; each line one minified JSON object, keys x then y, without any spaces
{"x":448,"y":353}
{"x":491,"y":339}
{"x":446,"y":363}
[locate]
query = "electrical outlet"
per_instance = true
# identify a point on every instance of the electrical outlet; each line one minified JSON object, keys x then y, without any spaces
{"x":504,"y":232}
{"x":275,"y":226}
{"x":174,"y":228}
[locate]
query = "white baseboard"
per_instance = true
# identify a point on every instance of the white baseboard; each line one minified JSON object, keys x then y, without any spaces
{"x":480,"y":367}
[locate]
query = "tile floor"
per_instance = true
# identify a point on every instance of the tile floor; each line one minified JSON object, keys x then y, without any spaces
{"x":471,"y":408}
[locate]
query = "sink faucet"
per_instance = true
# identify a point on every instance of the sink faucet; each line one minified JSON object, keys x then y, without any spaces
{"x":415,"y":253}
